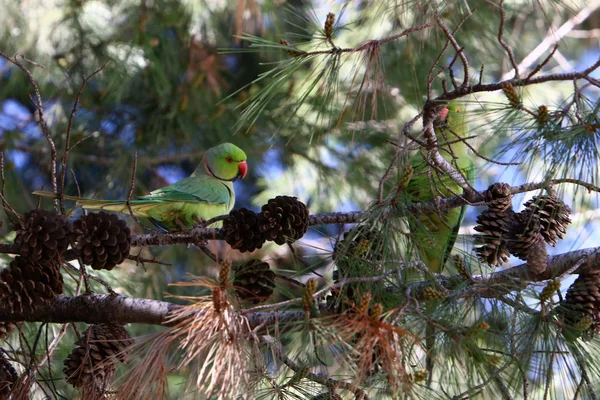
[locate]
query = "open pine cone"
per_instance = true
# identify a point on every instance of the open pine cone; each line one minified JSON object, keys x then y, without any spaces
{"x":6,"y":328}
{"x":524,"y":234}
{"x":283,"y":219}
{"x":553,"y":215}
{"x":493,"y":224}
{"x":581,"y":307}
{"x":241,"y":230}
{"x":25,"y":285}
{"x":91,"y":365}
{"x":42,"y":235}
{"x":254,"y":281}
{"x":102,"y":240}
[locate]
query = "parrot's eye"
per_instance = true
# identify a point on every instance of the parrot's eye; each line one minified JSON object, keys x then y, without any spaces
{"x":457,"y":111}
{"x":228,"y":159}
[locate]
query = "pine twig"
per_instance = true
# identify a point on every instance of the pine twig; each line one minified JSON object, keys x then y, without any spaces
{"x":457,"y":47}
{"x":68,"y":147}
{"x":396,"y":157}
{"x":40,"y":109}
{"x":507,"y":48}
{"x":323,"y":380}
{"x":7,"y":207}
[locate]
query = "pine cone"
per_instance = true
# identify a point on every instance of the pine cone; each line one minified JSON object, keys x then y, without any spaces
{"x":283,"y":219}
{"x":581,"y":306}
{"x":91,"y":365}
{"x":524,"y":234}
{"x":584,"y":295}
{"x":25,"y":285}
{"x":42,"y":235}
{"x":102,"y":240}
{"x":242,"y":232}
{"x":553,"y":214}
{"x":8,"y":376}
{"x":494,"y":223}
{"x":6,"y":328}
{"x":494,"y":227}
{"x":499,"y":197}
{"x":254,"y":281}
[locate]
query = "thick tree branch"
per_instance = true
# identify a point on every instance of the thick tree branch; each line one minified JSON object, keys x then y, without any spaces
{"x":97,"y":309}
{"x":123,"y":310}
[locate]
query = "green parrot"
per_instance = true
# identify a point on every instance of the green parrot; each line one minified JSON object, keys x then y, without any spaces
{"x":436,"y":232}
{"x":207,"y":193}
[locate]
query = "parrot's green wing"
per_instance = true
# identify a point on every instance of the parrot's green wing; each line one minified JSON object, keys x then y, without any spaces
{"x":196,"y":196}
{"x":194,"y":189}
{"x":467,"y":168}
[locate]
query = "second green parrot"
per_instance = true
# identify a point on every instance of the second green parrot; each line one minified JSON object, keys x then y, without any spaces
{"x":207,"y":193}
{"x":436,"y":232}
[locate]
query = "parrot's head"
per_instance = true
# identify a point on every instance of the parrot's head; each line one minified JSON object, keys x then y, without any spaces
{"x":226,"y":162}
{"x":452,"y":116}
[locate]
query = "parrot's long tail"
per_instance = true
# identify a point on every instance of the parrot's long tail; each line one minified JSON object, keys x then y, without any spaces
{"x":139,"y":207}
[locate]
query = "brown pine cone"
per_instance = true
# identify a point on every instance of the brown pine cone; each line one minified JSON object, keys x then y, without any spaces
{"x":494,"y":227}
{"x":91,"y":365}
{"x":584,"y":295}
{"x":553,"y":214}
{"x":499,"y":197}
{"x":6,"y":328}
{"x":242,"y":232}
{"x":25,"y":285}
{"x":8,"y":376}
{"x":494,"y":223}
{"x":102,"y":240}
{"x":581,"y":307}
{"x":283,"y":219}
{"x":254,"y":281}
{"x":42,"y":235}
{"x":524,"y":234}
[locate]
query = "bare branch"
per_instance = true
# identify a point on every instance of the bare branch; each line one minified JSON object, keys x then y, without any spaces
{"x":554,"y":36}
{"x":40,"y":108}
{"x":457,"y":47}
{"x":68,"y":147}
{"x":501,"y":40}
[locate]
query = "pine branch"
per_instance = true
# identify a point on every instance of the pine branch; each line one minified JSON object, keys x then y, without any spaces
{"x":199,"y":234}
{"x":97,"y":309}
{"x":104,"y":308}
{"x":330,"y":383}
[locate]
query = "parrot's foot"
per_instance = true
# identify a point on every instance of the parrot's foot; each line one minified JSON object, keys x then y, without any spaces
{"x":180,"y":225}
{"x":200,"y":221}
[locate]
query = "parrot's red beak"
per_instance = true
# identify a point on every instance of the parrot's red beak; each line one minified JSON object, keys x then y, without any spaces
{"x":443,"y":114}
{"x":243,"y":169}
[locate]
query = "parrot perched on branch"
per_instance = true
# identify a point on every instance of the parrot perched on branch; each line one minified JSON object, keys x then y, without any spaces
{"x":206,"y":194}
{"x":436,"y":231}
